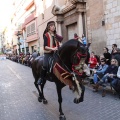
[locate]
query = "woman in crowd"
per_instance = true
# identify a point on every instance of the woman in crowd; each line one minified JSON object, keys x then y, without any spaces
{"x":116,"y":82}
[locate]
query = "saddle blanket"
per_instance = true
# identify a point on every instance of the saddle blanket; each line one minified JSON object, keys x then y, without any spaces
{"x":64,"y":76}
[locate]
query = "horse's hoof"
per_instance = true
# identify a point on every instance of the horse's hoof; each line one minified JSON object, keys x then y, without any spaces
{"x":76,"y":101}
{"x":45,"y":101}
{"x":62,"y":117}
{"x":40,"y":99}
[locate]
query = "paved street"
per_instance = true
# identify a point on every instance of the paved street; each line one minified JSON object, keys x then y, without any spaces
{"x":18,"y":99}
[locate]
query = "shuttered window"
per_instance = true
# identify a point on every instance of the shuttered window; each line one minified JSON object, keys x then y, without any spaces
{"x":31,"y":29}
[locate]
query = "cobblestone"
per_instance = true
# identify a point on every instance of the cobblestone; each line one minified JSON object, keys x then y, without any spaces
{"x":18,"y":99}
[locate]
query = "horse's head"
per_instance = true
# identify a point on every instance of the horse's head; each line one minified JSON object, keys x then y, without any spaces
{"x":73,"y":54}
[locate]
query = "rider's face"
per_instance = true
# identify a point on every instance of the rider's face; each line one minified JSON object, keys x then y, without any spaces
{"x":52,"y":27}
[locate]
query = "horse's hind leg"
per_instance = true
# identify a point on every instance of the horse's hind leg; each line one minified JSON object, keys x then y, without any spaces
{"x":42,"y":93}
{"x":62,"y":116}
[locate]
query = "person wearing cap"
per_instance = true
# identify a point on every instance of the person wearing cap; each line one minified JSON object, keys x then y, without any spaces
{"x":99,"y":73}
{"x":51,"y":44}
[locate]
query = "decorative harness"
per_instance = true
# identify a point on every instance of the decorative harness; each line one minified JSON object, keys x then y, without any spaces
{"x":65,"y":74}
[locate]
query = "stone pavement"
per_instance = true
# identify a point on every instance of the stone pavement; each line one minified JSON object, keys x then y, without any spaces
{"x":18,"y":99}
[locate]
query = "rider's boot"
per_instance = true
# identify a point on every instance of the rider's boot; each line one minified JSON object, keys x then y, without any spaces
{"x":41,"y":79}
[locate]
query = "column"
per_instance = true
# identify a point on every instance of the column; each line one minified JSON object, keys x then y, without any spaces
{"x":59,"y":29}
{"x":80,"y":25}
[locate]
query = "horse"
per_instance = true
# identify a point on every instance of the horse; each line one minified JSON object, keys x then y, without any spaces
{"x":71,"y":54}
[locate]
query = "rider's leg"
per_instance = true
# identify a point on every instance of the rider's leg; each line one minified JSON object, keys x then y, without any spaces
{"x":44,"y":68}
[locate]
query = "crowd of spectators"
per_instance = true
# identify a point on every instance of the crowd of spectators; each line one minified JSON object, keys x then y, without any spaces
{"x":24,"y":59}
{"x":106,"y":69}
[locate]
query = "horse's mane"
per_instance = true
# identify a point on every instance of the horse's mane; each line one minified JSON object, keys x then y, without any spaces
{"x":70,"y":42}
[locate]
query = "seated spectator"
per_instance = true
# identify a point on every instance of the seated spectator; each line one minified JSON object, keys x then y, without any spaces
{"x":107,"y":55}
{"x":116,"y":55}
{"x":92,"y":61}
{"x":110,"y":73}
{"x":99,"y":73}
{"x":116,"y":82}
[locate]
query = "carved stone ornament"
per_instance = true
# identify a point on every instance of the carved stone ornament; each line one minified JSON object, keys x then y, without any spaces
{"x":56,"y":10}
{"x":75,"y":1}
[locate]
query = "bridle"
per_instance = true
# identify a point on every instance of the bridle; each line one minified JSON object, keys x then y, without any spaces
{"x":76,"y":54}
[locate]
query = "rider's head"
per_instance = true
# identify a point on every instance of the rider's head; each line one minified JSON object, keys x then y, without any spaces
{"x":50,"y":27}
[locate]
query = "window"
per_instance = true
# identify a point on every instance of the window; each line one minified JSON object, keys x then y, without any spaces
{"x":31,"y":29}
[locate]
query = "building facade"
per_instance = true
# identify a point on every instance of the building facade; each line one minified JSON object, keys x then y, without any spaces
{"x":99,"y":20}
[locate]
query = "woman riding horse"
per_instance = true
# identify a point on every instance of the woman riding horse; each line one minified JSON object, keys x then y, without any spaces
{"x":63,"y":67}
{"x":51,"y":44}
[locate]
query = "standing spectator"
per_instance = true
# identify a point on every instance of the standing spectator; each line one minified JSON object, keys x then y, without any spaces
{"x":84,"y":40}
{"x":114,"y":46}
{"x":107,"y":55}
{"x":34,"y":55}
{"x":38,"y":54}
{"x":76,"y":37}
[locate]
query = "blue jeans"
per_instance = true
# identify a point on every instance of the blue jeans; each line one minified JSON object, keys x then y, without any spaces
{"x":95,"y":77}
{"x":114,"y":83}
{"x":107,"y":79}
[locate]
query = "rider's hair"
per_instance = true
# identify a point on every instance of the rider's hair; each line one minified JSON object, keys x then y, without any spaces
{"x":48,"y":26}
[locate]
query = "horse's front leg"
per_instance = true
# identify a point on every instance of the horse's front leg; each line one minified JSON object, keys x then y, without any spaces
{"x":42,"y":87}
{"x":62,"y":116}
{"x":40,"y":94}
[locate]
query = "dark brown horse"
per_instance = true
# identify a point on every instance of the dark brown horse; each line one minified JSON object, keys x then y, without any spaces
{"x":71,"y":53}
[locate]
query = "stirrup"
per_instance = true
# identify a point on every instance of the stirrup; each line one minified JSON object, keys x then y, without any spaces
{"x":40,"y":81}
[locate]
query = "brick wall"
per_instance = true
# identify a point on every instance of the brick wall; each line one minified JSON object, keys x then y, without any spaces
{"x":95,"y":31}
{"x":112,"y":19}
{"x":101,"y":36}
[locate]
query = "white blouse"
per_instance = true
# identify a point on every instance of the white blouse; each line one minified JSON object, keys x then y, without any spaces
{"x":118,"y":72}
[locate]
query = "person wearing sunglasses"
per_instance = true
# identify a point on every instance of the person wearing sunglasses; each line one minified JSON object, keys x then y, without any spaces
{"x":110,"y":73}
{"x":99,"y":73}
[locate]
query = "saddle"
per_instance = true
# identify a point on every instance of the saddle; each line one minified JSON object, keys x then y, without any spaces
{"x":64,"y":76}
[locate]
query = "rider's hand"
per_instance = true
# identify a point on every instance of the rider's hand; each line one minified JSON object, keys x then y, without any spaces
{"x":55,"y":48}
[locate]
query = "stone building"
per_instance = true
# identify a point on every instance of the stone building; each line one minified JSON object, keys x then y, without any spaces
{"x":99,"y":20}
{"x":103,"y":23}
